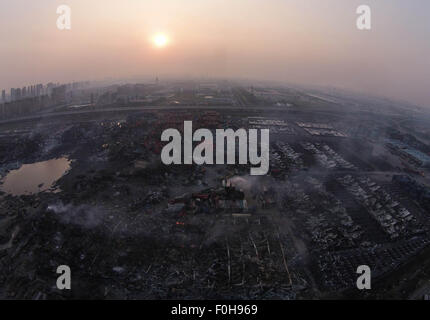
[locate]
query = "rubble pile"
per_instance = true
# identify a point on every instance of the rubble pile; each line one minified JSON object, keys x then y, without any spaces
{"x":131,"y":227}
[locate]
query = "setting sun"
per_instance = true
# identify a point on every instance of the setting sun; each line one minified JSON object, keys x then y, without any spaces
{"x":160,"y":40}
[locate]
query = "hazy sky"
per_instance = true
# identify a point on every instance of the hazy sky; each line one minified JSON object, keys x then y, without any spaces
{"x":303,"y":41}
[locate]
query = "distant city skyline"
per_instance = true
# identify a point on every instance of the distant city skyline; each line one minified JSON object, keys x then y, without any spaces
{"x":296,"y":41}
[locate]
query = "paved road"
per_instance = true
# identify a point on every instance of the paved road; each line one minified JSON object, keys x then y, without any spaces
{"x":43,"y":115}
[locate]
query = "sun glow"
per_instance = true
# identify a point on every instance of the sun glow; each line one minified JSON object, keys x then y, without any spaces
{"x":160,"y":40}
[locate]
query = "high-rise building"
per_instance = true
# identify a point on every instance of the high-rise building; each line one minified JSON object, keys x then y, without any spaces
{"x":39,"y":90}
{"x":12,"y":94}
{"x":49,"y":87}
{"x":18,"y":93}
{"x":3,"y":96}
{"x":59,"y":94}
